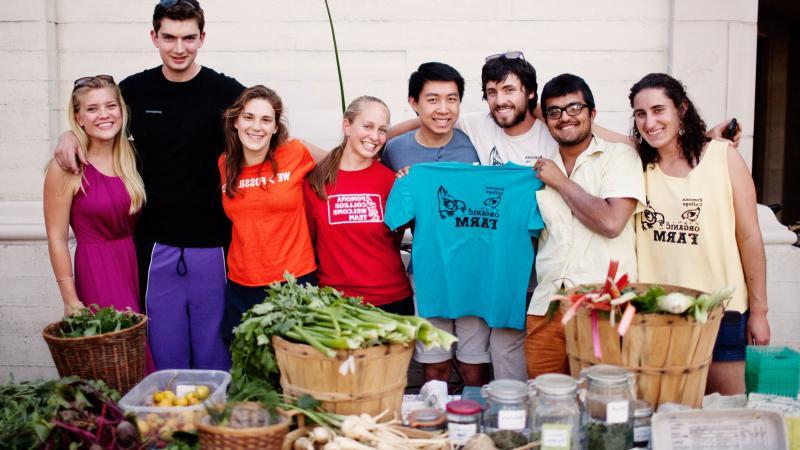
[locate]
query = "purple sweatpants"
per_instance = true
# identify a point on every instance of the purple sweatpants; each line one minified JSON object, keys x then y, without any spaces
{"x":185,"y":301}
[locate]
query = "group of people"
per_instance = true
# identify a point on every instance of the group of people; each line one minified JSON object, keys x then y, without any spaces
{"x":184,"y":188}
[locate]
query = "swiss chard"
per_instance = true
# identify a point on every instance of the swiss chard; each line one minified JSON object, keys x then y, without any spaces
{"x":93,"y":321}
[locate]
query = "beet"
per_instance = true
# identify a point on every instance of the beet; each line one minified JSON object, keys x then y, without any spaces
{"x":127,"y":435}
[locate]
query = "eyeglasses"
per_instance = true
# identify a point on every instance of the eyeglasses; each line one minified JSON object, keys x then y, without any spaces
{"x":83,"y":81}
{"x":514,"y":54}
{"x":573,"y":109}
{"x":171,"y":3}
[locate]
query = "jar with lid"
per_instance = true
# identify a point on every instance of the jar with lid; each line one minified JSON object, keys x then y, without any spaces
{"x":427,"y":419}
{"x":556,"y":412}
{"x":642,"y":414}
{"x":609,"y":396}
{"x":463,"y":420}
{"x":507,"y":409}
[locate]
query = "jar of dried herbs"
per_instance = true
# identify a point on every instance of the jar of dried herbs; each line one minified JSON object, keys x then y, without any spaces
{"x":507,"y":407}
{"x":556,"y":412}
{"x":609,"y":397}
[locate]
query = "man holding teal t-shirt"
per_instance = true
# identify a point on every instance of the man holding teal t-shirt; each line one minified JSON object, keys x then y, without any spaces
{"x":472,"y":253}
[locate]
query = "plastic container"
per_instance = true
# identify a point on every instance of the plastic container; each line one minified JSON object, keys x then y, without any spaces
{"x":642,"y":415}
{"x":463,"y":420}
{"x":556,"y":411}
{"x":427,"y":419}
{"x":163,"y":421}
{"x":507,"y":407}
{"x":719,"y":429}
{"x":773,"y":370}
{"x":609,"y":399}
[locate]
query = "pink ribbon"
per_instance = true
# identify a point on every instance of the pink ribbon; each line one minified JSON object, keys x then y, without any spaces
{"x":598,"y":352}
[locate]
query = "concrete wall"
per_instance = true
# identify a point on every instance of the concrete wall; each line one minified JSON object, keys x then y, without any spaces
{"x":45,"y":44}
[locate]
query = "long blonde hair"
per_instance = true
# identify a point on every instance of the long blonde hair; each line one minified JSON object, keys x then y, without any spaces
{"x":326,"y":171}
{"x":123,"y":153}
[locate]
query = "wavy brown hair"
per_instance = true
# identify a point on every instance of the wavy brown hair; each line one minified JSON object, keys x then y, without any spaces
{"x":234,"y":152}
{"x":693,"y":140}
{"x":325,"y":172}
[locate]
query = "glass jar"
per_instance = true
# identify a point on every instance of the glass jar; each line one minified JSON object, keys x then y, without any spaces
{"x":556,"y":412}
{"x":608,"y":407}
{"x":642,"y":414}
{"x":507,"y":409}
{"x":463,"y":420}
{"x":427,"y":419}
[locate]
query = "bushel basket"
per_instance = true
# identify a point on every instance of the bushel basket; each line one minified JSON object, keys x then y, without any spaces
{"x":669,"y":354}
{"x":373,"y":381}
{"x":117,"y":358}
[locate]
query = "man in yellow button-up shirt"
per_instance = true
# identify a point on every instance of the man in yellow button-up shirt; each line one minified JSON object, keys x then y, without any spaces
{"x":593,"y":188}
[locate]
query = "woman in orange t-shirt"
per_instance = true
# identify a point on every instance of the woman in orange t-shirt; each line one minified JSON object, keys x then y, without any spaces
{"x":262,"y":176}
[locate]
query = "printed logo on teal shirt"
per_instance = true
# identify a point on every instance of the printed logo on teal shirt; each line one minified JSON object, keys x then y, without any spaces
{"x":485,"y":216}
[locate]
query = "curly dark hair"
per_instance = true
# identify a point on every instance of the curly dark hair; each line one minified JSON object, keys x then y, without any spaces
{"x":694,"y":138}
{"x":498,"y":69}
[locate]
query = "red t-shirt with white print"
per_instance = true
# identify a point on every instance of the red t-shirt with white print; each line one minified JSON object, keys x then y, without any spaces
{"x":356,"y":251}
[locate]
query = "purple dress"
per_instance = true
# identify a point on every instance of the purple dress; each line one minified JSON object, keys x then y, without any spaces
{"x":105,"y":258}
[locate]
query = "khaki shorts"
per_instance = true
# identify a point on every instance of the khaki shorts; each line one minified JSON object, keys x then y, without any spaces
{"x":478,"y":344}
{"x":472,"y":346}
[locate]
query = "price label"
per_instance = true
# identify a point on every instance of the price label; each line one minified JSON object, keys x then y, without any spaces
{"x":509,"y":419}
{"x":183,"y":389}
{"x":556,"y":436}
{"x":617,"y":412}
{"x":461,"y":432}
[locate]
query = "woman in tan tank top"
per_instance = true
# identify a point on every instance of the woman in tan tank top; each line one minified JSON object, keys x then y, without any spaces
{"x":700,"y":228}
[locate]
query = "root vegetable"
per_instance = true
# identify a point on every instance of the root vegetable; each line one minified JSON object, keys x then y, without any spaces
{"x":479,"y":441}
{"x":144,"y":427}
{"x":303,"y":443}
{"x":356,"y":428}
{"x":675,"y":302}
{"x":321,"y":435}
{"x":345,"y":443}
{"x":127,"y":435}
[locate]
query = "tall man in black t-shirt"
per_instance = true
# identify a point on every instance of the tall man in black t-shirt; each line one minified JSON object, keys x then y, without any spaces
{"x":176,"y":125}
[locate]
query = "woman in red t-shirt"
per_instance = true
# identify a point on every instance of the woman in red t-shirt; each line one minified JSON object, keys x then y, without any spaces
{"x":262,"y":174}
{"x":345,"y":199}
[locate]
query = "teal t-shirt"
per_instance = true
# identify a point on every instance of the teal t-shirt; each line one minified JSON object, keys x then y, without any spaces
{"x":472,"y":249}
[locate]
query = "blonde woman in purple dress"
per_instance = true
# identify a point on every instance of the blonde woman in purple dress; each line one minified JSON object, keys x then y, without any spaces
{"x":101,"y":204}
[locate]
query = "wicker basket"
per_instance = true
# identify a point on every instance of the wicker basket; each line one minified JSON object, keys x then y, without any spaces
{"x":270,"y":437}
{"x":669,"y":354}
{"x":117,"y":358}
{"x":376,"y":384}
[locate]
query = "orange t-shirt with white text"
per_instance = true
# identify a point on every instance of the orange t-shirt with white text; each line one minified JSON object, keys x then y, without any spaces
{"x":270,"y":233}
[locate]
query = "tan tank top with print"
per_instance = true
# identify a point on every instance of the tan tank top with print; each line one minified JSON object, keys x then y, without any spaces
{"x":686,"y":236}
